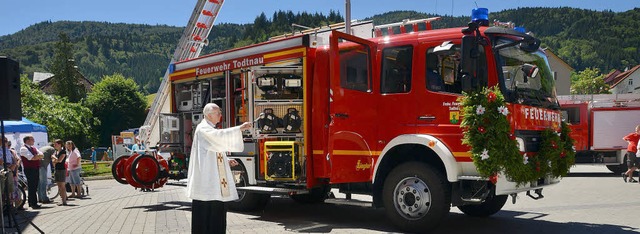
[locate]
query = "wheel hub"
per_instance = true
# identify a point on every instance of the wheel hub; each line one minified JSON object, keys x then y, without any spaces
{"x":412,"y":198}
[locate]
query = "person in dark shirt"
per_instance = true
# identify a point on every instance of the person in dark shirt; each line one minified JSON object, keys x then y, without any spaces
{"x":60,"y":174}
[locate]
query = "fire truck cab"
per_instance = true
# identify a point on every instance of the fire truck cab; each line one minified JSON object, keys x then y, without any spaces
{"x":367,"y":115}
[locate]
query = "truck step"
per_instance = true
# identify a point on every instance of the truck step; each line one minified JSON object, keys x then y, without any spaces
{"x":270,"y":190}
{"x":471,"y":178}
{"x":351,"y":202}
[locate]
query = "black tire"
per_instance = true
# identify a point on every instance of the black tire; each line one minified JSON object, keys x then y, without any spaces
{"x":23,"y":195}
{"x":489,"y":207}
{"x":315,"y":195}
{"x":114,"y":167}
{"x":416,"y":197}
{"x":136,"y":177}
{"x":248,"y":201}
{"x":620,"y":168}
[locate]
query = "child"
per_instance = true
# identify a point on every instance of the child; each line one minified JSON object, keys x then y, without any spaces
{"x":632,"y":159}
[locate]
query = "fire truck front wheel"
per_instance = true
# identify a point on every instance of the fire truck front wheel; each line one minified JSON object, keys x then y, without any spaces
{"x":489,"y":207}
{"x":416,"y":197}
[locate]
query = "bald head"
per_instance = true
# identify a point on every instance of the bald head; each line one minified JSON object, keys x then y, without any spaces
{"x":212,"y":113}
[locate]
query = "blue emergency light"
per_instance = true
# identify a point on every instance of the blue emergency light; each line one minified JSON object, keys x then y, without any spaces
{"x":520,"y":29}
{"x":480,"y":16}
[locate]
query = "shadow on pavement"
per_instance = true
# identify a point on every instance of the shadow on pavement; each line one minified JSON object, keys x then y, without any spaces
{"x":593,"y":174}
{"x":22,"y":218}
{"x":325,"y":218}
{"x":171,"y":205}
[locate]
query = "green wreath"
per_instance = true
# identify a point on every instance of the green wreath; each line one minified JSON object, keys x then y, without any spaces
{"x":494,"y":147}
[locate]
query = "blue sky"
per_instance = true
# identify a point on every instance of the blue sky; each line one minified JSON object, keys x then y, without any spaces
{"x":19,"y":14}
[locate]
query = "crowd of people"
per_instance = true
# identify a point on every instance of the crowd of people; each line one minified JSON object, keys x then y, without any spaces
{"x":61,"y":158}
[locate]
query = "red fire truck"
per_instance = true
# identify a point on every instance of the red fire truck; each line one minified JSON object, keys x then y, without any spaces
{"x":598,"y":123}
{"x":373,"y":114}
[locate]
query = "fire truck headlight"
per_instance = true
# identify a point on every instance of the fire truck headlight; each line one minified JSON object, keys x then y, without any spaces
{"x":520,"y":144}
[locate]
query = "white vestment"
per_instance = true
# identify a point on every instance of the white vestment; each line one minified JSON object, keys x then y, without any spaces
{"x":210,"y":176}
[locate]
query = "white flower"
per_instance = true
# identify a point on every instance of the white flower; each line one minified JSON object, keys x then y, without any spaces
{"x":503,"y":110}
{"x":526,"y":159}
{"x":558,"y":133}
{"x":573,"y":148}
{"x":479,"y":110}
{"x":485,"y":154}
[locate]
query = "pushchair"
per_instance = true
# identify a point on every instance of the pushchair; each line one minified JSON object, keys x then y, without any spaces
{"x":84,"y":187}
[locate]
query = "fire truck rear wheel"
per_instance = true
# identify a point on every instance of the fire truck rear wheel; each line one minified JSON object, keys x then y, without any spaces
{"x":620,"y":168}
{"x":248,"y":201}
{"x":416,"y":197}
{"x":487,"y":208}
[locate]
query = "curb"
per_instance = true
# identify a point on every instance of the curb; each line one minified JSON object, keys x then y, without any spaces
{"x":109,"y":177}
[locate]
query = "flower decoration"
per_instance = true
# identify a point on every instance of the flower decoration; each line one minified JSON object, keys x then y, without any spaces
{"x":503,"y":110}
{"x":486,"y":111}
{"x":491,"y":97}
{"x":485,"y":154}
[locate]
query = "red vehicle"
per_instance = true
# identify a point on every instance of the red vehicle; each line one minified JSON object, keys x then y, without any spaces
{"x":365,"y":115}
{"x":598,"y":123}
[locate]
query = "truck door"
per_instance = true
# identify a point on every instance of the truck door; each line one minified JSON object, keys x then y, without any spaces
{"x":352,"y":109}
{"x":577,"y":118}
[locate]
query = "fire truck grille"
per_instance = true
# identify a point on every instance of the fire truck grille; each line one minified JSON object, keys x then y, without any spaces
{"x":531,"y":139}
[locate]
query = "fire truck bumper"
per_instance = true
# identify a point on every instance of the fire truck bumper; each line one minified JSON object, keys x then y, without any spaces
{"x":504,"y":186}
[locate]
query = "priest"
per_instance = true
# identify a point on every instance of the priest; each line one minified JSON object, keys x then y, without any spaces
{"x":210,"y":181}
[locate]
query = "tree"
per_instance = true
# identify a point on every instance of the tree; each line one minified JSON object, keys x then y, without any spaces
{"x":66,"y":80}
{"x":118,"y":104}
{"x":64,"y":120}
{"x":588,"y":81}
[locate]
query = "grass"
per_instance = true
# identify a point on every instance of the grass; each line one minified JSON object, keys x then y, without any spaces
{"x":104,"y":168}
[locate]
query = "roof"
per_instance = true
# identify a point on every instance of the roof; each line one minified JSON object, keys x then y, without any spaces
{"x":45,"y":84}
{"x":609,"y":78}
{"x":24,"y":125}
{"x":624,"y":75}
{"x":550,"y":52}
{"x":40,"y":76}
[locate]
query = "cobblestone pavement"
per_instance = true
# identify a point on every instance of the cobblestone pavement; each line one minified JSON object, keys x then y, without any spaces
{"x":584,"y":202}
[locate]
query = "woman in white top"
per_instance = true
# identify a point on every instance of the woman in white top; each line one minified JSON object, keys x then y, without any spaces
{"x":74,"y":169}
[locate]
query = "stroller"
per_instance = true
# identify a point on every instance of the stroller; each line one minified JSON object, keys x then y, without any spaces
{"x":84,"y":187}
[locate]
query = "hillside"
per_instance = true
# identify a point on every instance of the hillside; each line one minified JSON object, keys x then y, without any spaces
{"x":583,"y":38}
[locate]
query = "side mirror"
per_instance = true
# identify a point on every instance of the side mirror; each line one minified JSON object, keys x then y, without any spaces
{"x":529,"y":70}
{"x":468,"y":62}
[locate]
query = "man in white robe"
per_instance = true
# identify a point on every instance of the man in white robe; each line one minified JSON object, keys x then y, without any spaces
{"x":210,"y":181}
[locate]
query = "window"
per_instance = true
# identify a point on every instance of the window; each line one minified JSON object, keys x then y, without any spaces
{"x":442,"y":69}
{"x":354,"y":69}
{"x":396,"y":70}
{"x":630,"y":81}
{"x":571,"y":115}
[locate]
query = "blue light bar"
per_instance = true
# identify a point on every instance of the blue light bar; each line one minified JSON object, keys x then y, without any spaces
{"x":480,"y":16}
{"x":520,"y":29}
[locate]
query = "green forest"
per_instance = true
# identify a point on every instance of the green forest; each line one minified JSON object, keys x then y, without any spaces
{"x":583,"y":38}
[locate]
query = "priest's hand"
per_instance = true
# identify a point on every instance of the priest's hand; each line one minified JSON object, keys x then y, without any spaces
{"x":245,"y":126}
{"x":233,"y":162}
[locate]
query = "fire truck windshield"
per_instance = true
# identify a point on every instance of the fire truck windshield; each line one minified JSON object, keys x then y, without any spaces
{"x":526,"y":77}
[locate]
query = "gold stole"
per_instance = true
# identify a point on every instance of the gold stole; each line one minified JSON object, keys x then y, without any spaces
{"x":222,"y":173}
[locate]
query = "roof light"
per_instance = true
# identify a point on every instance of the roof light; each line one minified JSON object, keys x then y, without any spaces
{"x":480,"y":16}
{"x":520,"y":29}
